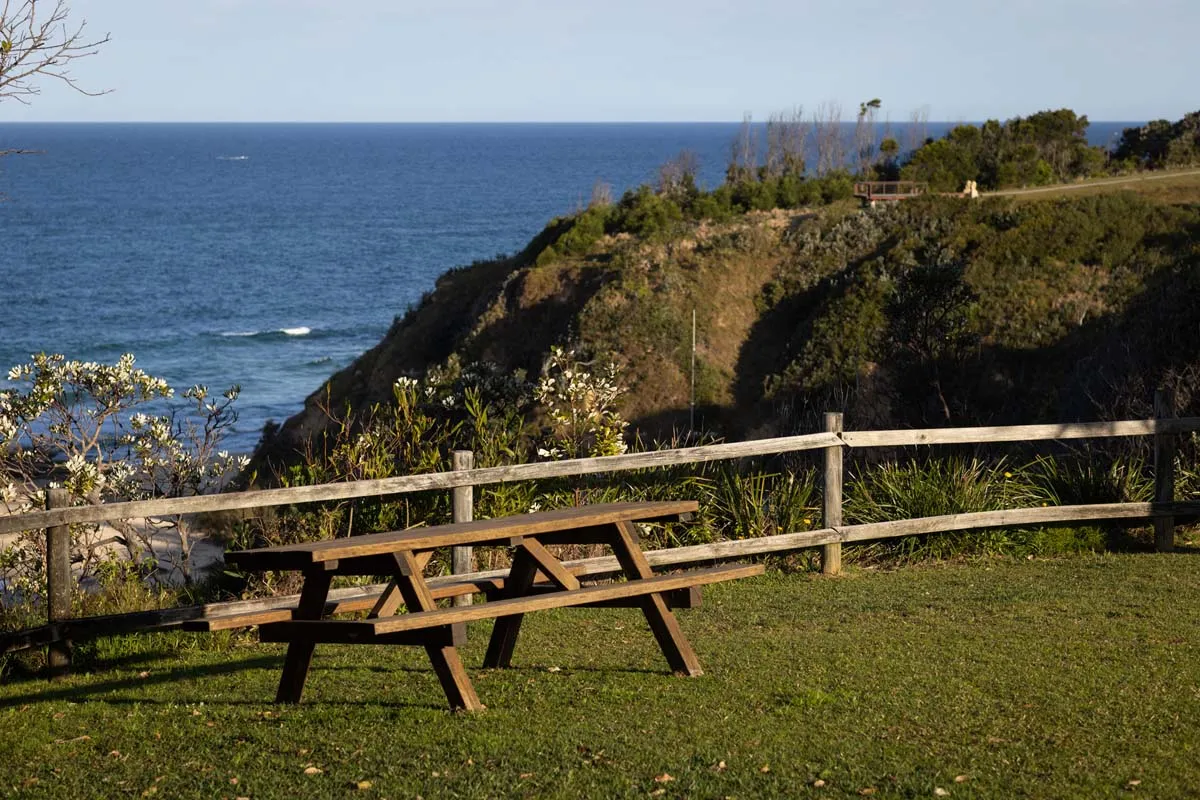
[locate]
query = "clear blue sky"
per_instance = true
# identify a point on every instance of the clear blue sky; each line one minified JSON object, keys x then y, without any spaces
{"x":512,"y":60}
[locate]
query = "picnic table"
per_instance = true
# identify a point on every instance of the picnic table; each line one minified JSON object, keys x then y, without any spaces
{"x":537,"y":580}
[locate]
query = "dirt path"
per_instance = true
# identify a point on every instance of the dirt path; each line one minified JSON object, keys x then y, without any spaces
{"x":1068,"y":187}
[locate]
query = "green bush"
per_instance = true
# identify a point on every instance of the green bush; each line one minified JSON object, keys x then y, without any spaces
{"x":716,"y":205}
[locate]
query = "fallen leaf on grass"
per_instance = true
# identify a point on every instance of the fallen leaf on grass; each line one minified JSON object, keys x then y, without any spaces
{"x":666,"y":777}
{"x":84,"y":738}
{"x":144,"y":674}
{"x":525,"y":775}
{"x":554,"y":669}
{"x":818,"y":784}
{"x":765,"y":768}
{"x":313,"y":770}
{"x":1133,"y":783}
{"x":719,"y":766}
{"x":360,"y":786}
{"x":658,"y":792}
{"x":867,"y":792}
{"x":961,"y":778}
{"x":940,"y":792}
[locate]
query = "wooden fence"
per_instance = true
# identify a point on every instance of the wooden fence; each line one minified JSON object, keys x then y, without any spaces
{"x":1165,"y":428}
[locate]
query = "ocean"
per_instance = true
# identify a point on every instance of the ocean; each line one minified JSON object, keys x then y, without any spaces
{"x":270,"y":255}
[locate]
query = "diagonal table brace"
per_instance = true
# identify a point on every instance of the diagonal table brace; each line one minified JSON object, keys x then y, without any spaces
{"x":675,"y":647}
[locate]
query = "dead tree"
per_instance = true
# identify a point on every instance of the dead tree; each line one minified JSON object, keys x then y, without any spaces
{"x":827,"y":128}
{"x":743,"y":155}
{"x":918,"y":128}
{"x":787,"y":137}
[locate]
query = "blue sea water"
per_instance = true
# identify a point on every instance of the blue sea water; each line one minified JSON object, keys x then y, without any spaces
{"x":270,"y":255}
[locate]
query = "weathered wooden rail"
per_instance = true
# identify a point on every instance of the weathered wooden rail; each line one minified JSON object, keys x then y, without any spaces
{"x":1162,"y":512}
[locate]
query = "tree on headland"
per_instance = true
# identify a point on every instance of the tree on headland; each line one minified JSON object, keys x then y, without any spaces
{"x":1161,"y":144}
{"x":37,"y":41}
{"x":864,"y":136}
{"x":1043,"y":148}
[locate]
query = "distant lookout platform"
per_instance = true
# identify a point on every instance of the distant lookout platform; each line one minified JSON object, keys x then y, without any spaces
{"x":871,"y":192}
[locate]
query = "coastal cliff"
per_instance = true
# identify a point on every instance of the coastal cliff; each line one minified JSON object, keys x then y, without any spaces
{"x":928,"y":312}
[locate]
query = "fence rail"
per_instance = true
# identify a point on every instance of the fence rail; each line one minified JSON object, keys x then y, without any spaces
{"x":1164,"y":428}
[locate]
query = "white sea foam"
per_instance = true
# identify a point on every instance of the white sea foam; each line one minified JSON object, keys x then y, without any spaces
{"x":302,"y":330}
{"x":233,"y":158}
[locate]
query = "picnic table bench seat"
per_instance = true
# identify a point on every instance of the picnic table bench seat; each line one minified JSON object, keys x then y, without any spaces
{"x":537,"y":580}
{"x":443,"y":588}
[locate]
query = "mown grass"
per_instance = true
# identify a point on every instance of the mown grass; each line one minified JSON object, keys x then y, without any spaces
{"x":996,"y":678}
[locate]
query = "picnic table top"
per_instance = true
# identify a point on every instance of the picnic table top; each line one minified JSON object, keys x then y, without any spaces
{"x":307,"y":554}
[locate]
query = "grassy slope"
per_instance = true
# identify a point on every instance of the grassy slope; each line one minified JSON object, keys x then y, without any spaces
{"x":1028,"y":679}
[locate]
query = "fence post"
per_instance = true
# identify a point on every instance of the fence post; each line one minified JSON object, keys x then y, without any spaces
{"x":1164,"y":471}
{"x":462,"y":560}
{"x":58,"y":582}
{"x":831,"y":554}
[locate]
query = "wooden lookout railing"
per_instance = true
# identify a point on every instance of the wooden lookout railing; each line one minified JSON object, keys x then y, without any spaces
{"x":1162,"y":511}
{"x":889,"y":191}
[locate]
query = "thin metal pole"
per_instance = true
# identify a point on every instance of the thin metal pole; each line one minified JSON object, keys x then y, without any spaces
{"x":692,"y":405}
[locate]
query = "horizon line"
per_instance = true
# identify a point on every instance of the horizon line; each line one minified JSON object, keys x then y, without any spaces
{"x":474,"y":122}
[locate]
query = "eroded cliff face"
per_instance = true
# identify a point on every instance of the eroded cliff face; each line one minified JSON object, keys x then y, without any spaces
{"x":938,"y":311}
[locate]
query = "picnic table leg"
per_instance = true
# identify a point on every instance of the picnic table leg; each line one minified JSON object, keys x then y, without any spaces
{"x":504,"y":634}
{"x":299,"y":653}
{"x":446,"y":663}
{"x":679,"y":654}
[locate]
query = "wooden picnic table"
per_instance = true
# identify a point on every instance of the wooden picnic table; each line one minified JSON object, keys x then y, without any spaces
{"x":537,"y":580}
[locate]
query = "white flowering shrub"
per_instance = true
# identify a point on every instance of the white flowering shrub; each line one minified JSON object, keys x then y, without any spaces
{"x":580,"y":401}
{"x":85,"y":426}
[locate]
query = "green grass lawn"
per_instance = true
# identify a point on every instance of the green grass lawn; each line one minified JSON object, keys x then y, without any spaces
{"x":1065,"y":678}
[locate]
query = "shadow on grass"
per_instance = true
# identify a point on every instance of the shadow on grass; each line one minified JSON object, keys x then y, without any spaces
{"x":43,"y":691}
{"x":53,"y":691}
{"x":95,"y":691}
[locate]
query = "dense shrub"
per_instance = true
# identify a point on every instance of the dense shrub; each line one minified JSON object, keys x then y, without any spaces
{"x":1161,"y":143}
{"x":1047,"y":147}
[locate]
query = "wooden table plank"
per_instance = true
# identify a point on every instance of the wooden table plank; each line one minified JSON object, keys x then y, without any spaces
{"x":300,"y":556}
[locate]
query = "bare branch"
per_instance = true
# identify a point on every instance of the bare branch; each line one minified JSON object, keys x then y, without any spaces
{"x":36,"y":41}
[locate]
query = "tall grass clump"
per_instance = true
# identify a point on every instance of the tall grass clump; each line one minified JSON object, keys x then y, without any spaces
{"x":917,"y":489}
{"x":749,"y":502}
